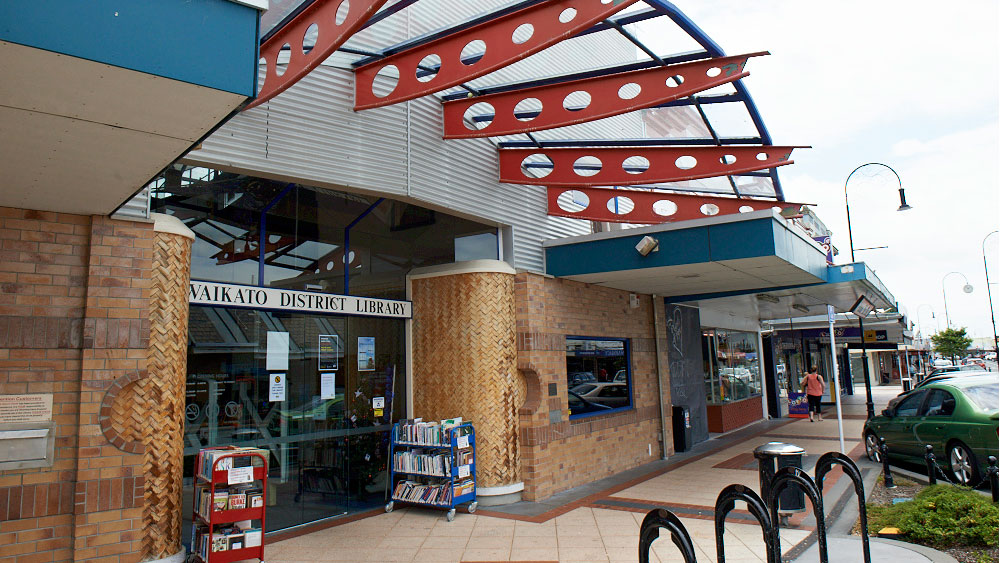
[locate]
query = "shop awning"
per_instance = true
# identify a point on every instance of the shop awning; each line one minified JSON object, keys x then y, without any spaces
{"x":756,"y":265}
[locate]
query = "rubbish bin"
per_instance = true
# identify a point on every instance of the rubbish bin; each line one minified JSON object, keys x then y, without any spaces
{"x":907,"y":384}
{"x":771,"y":457}
{"x":682,"y":428}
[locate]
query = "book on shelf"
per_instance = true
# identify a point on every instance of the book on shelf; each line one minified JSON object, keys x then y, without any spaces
{"x":417,"y":431}
{"x":464,"y":487}
{"x":227,"y":458}
{"x":413,"y":491}
{"x":419,"y":461}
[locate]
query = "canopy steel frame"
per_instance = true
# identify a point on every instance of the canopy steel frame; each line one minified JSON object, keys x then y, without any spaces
{"x":508,"y":38}
{"x":662,"y":164}
{"x":335,"y":23}
{"x":609,"y":95}
{"x":646,"y":207}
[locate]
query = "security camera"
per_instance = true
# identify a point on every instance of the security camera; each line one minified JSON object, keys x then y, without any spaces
{"x":646,"y":245}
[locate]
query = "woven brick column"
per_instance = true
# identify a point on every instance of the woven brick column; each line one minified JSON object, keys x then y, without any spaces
{"x":465,"y":362}
{"x":163,"y":390}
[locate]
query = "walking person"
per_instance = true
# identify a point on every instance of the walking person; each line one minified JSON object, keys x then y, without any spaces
{"x":813,"y":385}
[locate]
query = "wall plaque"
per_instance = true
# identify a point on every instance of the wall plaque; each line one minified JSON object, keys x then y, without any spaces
{"x":26,"y":408}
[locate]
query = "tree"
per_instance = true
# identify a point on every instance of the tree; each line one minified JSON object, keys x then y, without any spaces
{"x":951,"y":342}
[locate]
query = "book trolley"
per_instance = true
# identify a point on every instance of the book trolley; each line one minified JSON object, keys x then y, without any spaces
{"x":433,"y":464}
{"x":230,"y":494}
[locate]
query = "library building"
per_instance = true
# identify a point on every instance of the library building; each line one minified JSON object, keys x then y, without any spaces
{"x":287,"y":264}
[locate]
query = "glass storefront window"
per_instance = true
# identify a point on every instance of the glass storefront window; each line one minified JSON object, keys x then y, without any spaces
{"x":310,"y":235}
{"x":597,"y":375}
{"x":731,"y":362}
{"x":328,"y":452}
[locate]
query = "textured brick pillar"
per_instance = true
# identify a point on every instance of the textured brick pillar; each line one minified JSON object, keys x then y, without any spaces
{"x":163,"y":389}
{"x":464,"y":362}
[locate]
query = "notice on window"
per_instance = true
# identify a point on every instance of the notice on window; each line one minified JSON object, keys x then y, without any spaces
{"x":26,"y":408}
{"x":327,"y":385}
{"x":366,"y":353}
{"x":240,"y":475}
{"x":277,"y":351}
{"x":329,"y":347}
{"x":276,"y":391}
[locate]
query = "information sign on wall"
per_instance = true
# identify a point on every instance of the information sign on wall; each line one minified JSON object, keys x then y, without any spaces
{"x":231,"y":295}
{"x":26,"y":408}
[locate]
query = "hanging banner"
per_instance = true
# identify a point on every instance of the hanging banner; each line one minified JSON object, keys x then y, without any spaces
{"x":232,"y":295}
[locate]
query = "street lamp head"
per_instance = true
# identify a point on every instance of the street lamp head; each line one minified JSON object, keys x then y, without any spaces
{"x":967,"y":288}
{"x":902,"y":201}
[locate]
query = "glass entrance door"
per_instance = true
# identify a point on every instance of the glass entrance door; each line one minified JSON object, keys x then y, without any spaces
{"x":306,"y":388}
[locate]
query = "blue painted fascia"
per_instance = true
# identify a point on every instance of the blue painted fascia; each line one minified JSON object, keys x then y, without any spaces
{"x":860,"y":272}
{"x":211,"y":43}
{"x":713,"y":243}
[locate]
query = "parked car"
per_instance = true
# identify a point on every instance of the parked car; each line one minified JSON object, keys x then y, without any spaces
{"x":941,"y":362}
{"x":976,"y":362}
{"x":936,"y":379}
{"x":579,"y":405}
{"x":952,"y":369}
{"x":610,"y":394}
{"x":992,"y":356}
{"x":958,"y":416}
{"x":621,"y":376}
{"x":579,"y":377}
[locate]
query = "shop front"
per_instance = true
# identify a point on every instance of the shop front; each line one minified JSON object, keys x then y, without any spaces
{"x":297,"y":329}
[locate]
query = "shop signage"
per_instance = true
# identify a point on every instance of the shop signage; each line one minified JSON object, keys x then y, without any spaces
{"x":231,"y":295}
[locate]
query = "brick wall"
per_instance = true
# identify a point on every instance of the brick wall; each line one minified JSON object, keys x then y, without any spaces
{"x":74,"y":294}
{"x":558,"y":454}
{"x":730,"y":416}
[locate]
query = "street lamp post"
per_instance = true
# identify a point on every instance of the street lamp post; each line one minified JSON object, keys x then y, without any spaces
{"x":967,"y":288}
{"x":861,"y":323}
{"x":996,"y":341}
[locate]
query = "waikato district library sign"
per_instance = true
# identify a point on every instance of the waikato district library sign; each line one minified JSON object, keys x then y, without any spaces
{"x":251,"y":297}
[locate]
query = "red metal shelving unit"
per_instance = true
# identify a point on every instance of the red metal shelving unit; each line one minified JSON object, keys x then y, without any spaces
{"x":220,"y":480}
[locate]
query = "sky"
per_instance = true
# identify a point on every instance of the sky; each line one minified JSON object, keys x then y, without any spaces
{"x":913,"y":85}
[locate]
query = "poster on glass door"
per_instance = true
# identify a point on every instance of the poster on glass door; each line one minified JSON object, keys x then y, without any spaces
{"x":329,"y":347}
{"x":366,"y":353}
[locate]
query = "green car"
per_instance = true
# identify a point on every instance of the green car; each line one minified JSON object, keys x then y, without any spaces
{"x":958,"y":416}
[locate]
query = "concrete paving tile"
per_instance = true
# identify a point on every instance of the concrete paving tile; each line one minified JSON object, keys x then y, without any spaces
{"x":427,"y":555}
{"x":621,"y":541}
{"x":490,"y":542}
{"x":534,"y":531}
{"x":528,"y":542}
{"x":582,"y":554}
{"x":400,"y":553}
{"x":485,"y":554}
{"x":534,"y":554}
{"x":593,"y":541}
{"x":446,"y":542}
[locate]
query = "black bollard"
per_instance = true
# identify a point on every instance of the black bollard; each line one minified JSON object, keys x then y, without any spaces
{"x":993,"y":471}
{"x":886,"y":473}
{"x":931,"y":470}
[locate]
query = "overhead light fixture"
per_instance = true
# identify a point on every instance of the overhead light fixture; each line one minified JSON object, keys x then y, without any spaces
{"x":802,"y":308}
{"x":767,"y":297}
{"x":646,"y":245}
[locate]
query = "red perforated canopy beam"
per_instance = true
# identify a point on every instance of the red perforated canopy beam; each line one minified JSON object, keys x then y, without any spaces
{"x":508,"y":39}
{"x":335,"y":20}
{"x":647,"y":207}
{"x":628,"y":166}
{"x":603,"y":96}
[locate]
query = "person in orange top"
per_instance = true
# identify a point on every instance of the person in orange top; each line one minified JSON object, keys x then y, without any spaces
{"x":813,"y":385}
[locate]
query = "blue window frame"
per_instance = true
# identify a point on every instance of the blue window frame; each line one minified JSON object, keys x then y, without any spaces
{"x":598,"y":375}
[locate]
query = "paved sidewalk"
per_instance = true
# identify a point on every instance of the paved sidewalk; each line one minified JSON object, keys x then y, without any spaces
{"x":599,"y":522}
